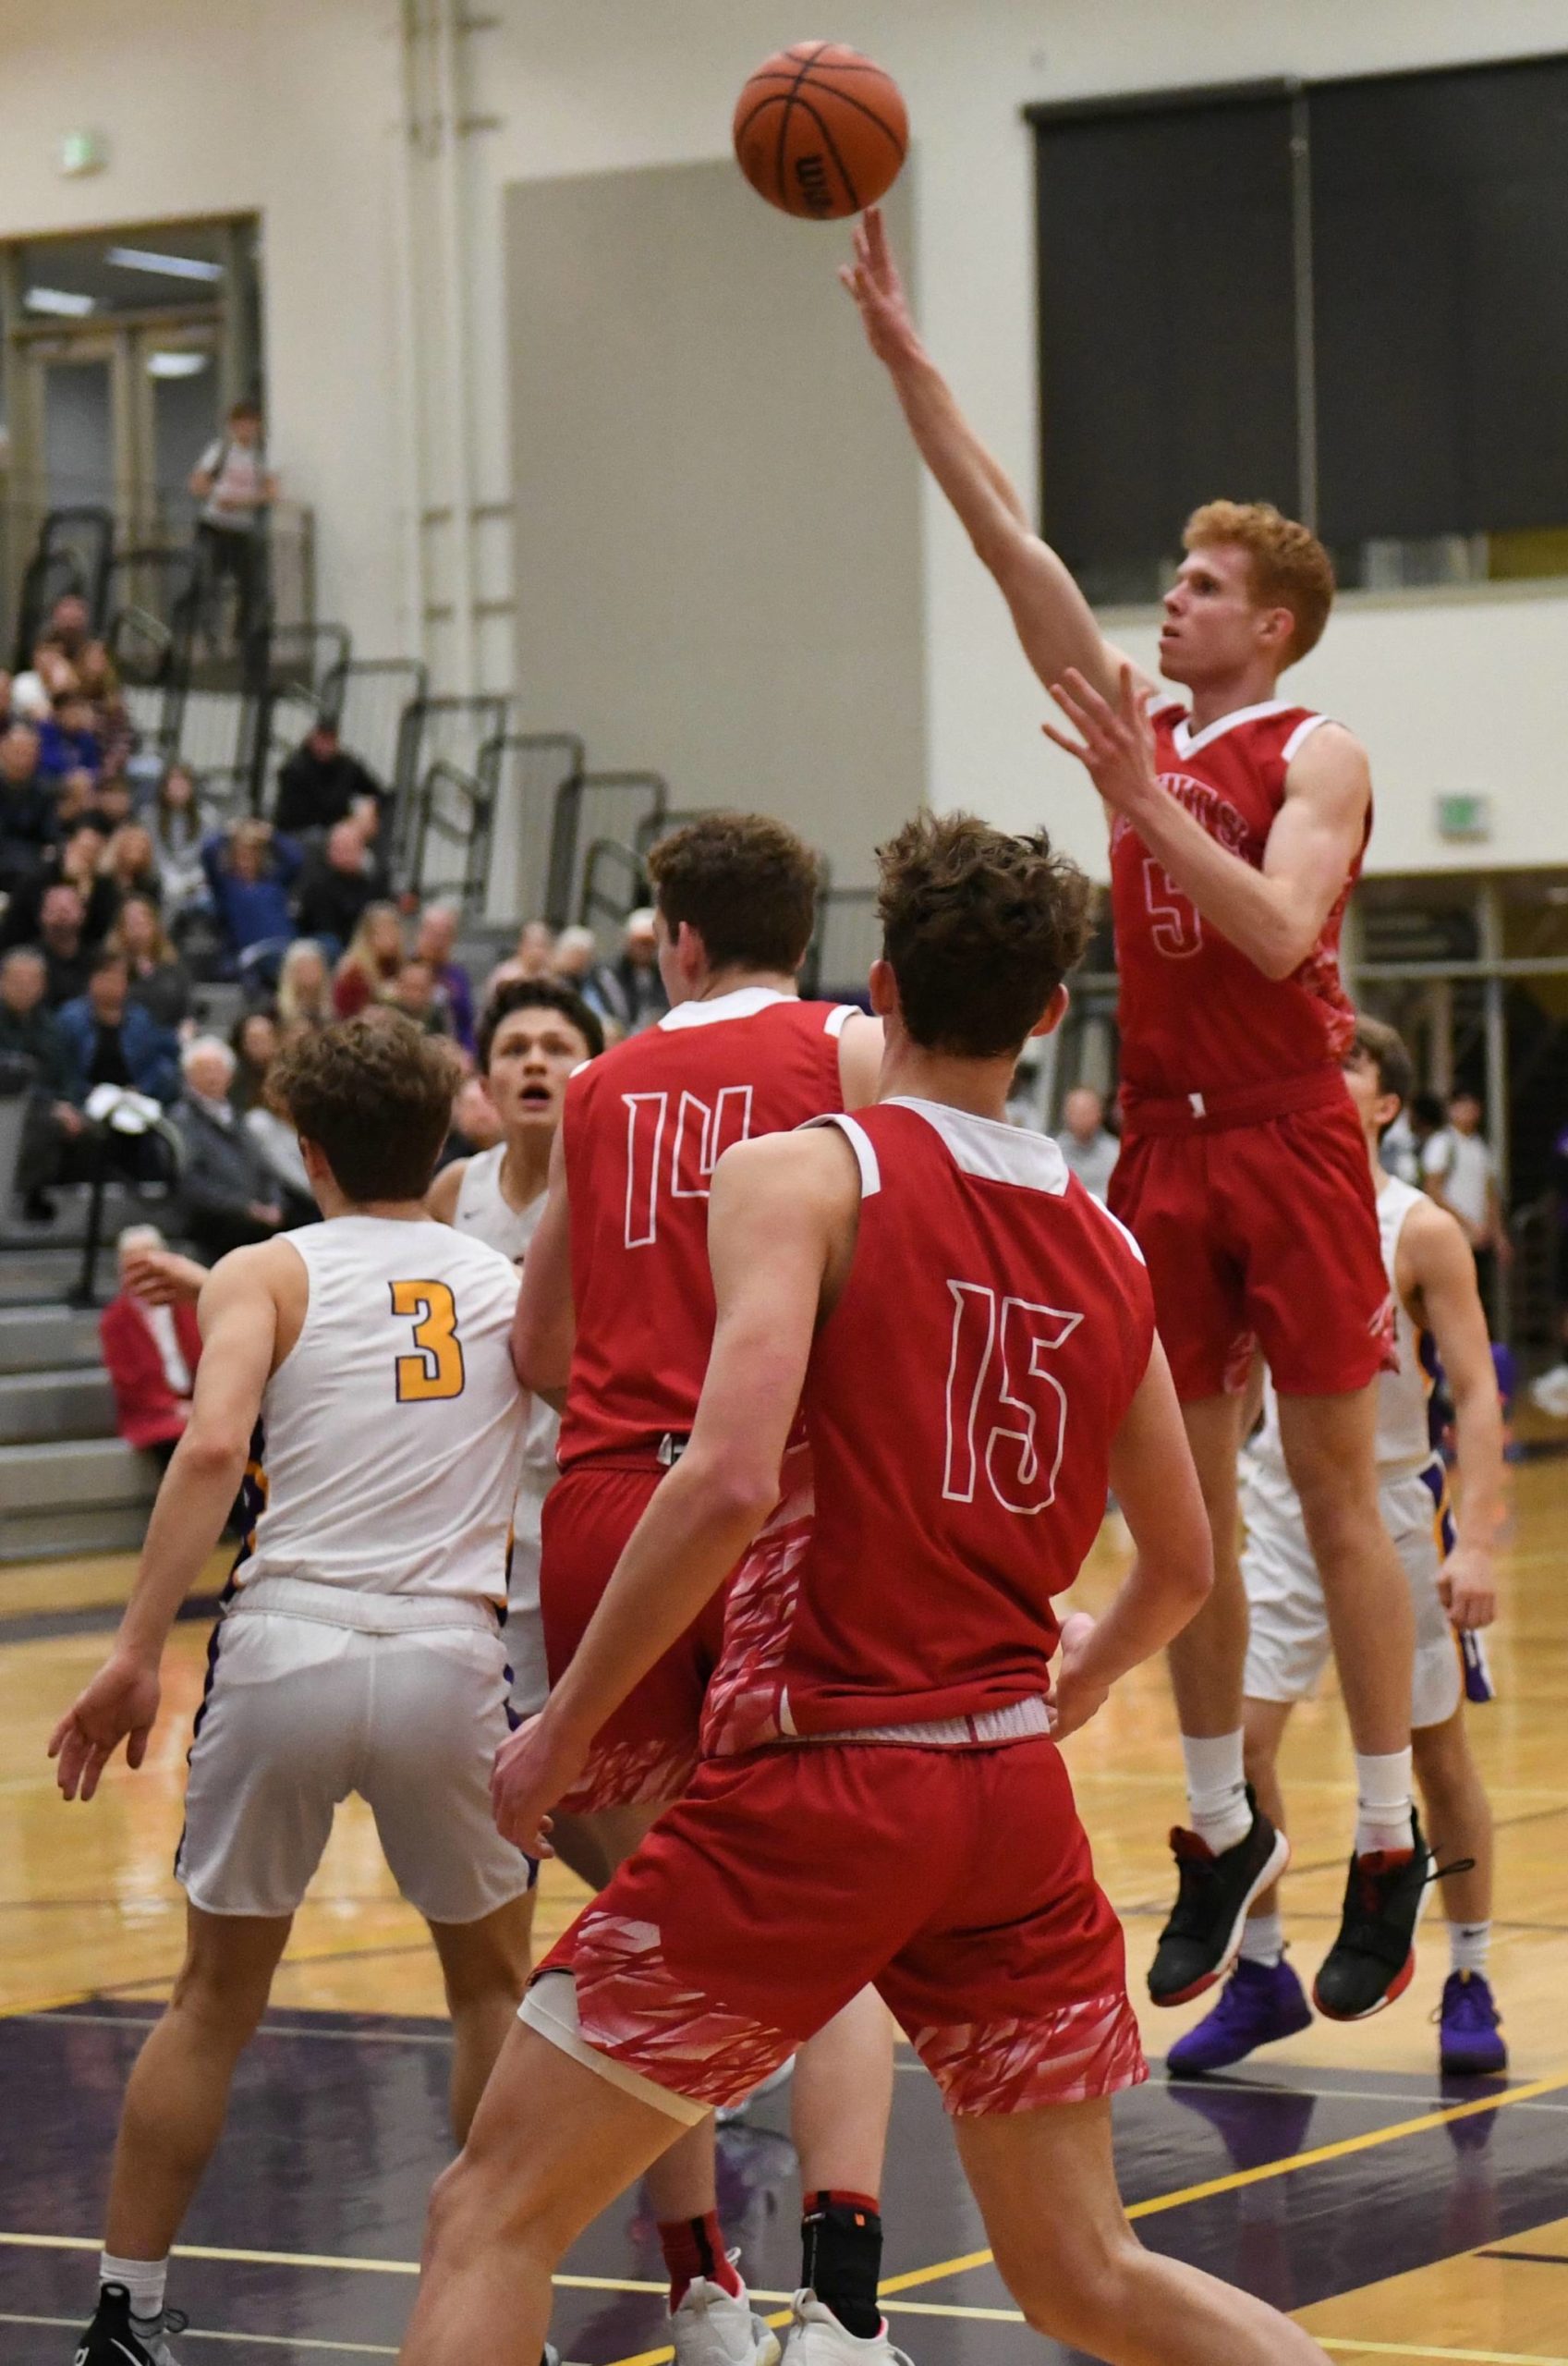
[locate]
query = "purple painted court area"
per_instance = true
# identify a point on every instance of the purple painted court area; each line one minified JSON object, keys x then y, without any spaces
{"x":339,"y":2126}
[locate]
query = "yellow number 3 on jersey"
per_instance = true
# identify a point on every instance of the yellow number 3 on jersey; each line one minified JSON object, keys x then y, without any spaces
{"x":437,"y":1368}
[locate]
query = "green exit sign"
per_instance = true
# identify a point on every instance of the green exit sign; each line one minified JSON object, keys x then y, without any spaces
{"x":1462,"y":815}
{"x":82,"y":151}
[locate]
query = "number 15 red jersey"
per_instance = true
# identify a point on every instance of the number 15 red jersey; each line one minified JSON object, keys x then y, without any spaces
{"x":644,"y":1127}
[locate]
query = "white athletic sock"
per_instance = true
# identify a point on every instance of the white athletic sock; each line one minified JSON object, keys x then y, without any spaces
{"x":1217,"y":1789}
{"x":144,"y":2279}
{"x":1263,"y":1939}
{"x":1468,"y":1947}
{"x":1383,"y":1803}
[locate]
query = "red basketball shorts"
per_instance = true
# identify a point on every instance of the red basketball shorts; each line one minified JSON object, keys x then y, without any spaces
{"x":1262,"y":1234}
{"x":957,"y":1881}
{"x":645,"y":1754}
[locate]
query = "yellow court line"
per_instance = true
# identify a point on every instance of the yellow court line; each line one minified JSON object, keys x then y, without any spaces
{"x":1422,"y":2349}
{"x":325,"y":2258}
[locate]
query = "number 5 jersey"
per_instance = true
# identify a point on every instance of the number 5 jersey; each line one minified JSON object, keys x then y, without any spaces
{"x":960,"y":1407}
{"x":393,"y":1429}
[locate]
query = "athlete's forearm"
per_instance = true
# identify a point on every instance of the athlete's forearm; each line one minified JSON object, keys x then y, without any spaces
{"x":1263,"y":917}
{"x":1478,"y":1433}
{"x":188,"y":1520}
{"x":1154,"y":1604}
{"x":695,"y":1530}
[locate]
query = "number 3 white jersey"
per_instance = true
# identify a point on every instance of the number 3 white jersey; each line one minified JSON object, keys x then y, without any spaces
{"x":393,"y":1428}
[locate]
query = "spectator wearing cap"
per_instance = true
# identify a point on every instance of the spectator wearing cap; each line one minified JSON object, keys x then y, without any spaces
{"x":151,"y":1353}
{"x":226,"y":1189}
{"x":322,"y":782}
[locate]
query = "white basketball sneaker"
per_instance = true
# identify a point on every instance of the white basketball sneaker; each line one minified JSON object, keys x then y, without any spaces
{"x":713,"y":2328}
{"x":817,"y":2338}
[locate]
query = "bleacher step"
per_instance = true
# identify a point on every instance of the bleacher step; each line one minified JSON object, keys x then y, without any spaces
{"x":61,"y":1535}
{"x":75,"y":1474}
{"x":28,"y":1275}
{"x":48,"y":1338}
{"x":59,"y":1403}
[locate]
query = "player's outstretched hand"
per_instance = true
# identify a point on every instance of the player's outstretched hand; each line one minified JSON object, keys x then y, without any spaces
{"x":1117,"y":747}
{"x":1074,"y":1698}
{"x":159,"y":1277}
{"x":532,"y":1770}
{"x":120,"y":1704}
{"x":872,"y":279}
{"x":1468,"y":1588}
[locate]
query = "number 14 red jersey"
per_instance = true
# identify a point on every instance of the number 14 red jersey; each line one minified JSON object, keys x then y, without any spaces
{"x":1196,"y":1014}
{"x":644,"y":1127}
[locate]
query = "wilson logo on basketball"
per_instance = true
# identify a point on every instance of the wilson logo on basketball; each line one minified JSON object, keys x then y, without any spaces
{"x":811,"y":175}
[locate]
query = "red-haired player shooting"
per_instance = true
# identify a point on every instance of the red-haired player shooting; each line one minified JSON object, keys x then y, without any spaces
{"x":1237,"y":828}
{"x":617,"y":1305}
{"x":970,"y":1339}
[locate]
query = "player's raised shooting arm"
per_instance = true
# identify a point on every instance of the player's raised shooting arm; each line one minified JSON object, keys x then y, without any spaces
{"x":1154,"y":1480}
{"x":781,"y":1212}
{"x":1274,"y":915}
{"x":1444,"y":1271}
{"x":1054,"y":622}
{"x":240,"y":1312}
{"x":545,"y":1328}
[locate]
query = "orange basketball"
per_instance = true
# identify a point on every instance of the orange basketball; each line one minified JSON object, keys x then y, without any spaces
{"x":820,"y":131}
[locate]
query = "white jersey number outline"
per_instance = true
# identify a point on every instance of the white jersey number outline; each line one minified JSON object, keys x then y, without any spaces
{"x":1178,"y":927}
{"x":997,"y":1349}
{"x":701,"y":1136}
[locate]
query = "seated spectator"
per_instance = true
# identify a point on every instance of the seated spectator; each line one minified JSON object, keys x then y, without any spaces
{"x":69,"y":629}
{"x":474,"y":1124}
{"x":149,"y":1353}
{"x":113,"y":805}
{"x":112,"y":1040}
{"x":254,"y":1043}
{"x":130,"y":866}
{"x":435,"y":941}
{"x":533,"y":959}
{"x":337,"y":883}
{"x":320,"y":783}
{"x":31,"y":1039}
{"x":414,"y":992}
{"x":628,"y":991}
{"x":67,"y":741}
{"x":1086,"y":1141}
{"x":158,"y":978}
{"x":111,"y":717}
{"x":177,"y":831}
{"x":576,"y":951}
{"x":28,"y":825}
{"x":374,"y":958}
{"x":62,"y":941}
{"x":304,"y":995}
{"x":74,"y":862}
{"x":285,"y":1163}
{"x":227,"y":1191}
{"x":250,"y":872}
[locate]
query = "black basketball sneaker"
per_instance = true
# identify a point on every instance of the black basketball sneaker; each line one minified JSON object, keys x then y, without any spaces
{"x":1373,"y":1960}
{"x":116,"y":2338}
{"x":1199,"y":1942}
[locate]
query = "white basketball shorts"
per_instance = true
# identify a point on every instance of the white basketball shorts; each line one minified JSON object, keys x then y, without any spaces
{"x":317,"y":1691}
{"x":524,"y":1635}
{"x":1288,"y":1643}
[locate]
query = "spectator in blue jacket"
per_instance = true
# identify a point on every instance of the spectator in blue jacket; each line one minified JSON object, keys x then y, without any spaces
{"x":111,"y":1039}
{"x":250,"y":870}
{"x":67,"y":741}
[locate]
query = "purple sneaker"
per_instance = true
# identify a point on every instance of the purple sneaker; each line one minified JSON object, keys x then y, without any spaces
{"x":1259,"y":2004}
{"x":1470,"y":2029}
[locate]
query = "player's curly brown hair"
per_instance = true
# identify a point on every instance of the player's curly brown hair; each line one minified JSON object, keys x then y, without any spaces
{"x":1290,"y":568}
{"x":374,"y":1094}
{"x":745,"y":882}
{"x":980,"y":927}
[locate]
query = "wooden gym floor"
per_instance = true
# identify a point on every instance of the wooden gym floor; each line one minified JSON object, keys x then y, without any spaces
{"x":1335,"y":2174}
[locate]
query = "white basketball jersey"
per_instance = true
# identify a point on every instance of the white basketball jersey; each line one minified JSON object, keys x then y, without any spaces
{"x":484,"y":1211}
{"x":1405,"y":1435}
{"x":390,"y":1431}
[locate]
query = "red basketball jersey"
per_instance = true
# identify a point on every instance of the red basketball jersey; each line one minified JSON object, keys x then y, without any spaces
{"x":960,"y":1405}
{"x":644,"y":1127}
{"x":1197,"y":1016}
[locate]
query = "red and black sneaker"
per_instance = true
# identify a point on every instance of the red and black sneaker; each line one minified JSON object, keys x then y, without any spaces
{"x":1200,"y":1942}
{"x":1373,"y":1960}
